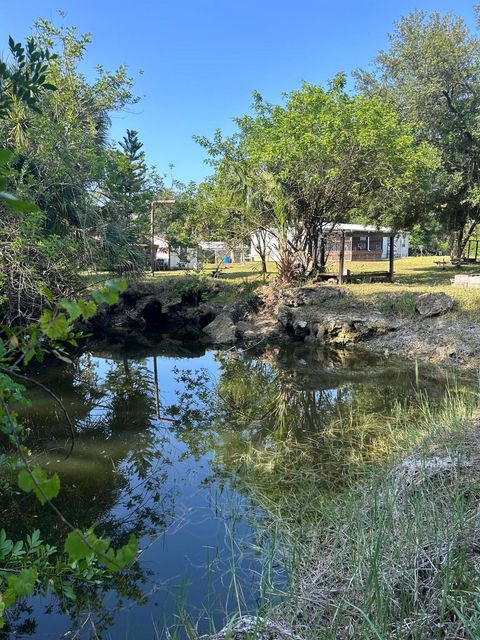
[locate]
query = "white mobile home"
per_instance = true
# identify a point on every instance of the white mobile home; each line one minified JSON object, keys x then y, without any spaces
{"x":362,"y":243}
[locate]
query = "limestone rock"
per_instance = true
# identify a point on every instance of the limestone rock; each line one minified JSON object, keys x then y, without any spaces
{"x":202,"y":314}
{"x":433,"y":304}
{"x":317,"y":323}
{"x":350,"y":328}
{"x":243,"y":326}
{"x":259,"y":628}
{"x":222,"y":330}
{"x":299,"y":296}
{"x":267,"y":330}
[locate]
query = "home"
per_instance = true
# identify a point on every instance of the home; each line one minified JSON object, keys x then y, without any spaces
{"x":168,"y":257}
{"x":365,"y":243}
{"x":362,"y":243}
{"x":215,"y":251}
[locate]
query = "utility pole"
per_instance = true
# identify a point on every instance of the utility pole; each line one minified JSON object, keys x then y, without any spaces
{"x":154,"y":204}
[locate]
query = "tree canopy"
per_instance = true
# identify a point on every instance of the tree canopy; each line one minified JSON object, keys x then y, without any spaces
{"x":321,"y":157}
{"x":431,"y":74}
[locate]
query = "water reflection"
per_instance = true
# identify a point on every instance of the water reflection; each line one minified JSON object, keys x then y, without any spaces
{"x":292,"y":418}
{"x":190,"y":451}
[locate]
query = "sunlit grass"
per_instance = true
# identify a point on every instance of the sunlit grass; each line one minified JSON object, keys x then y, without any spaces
{"x":416,"y":276}
{"x":413,"y":276}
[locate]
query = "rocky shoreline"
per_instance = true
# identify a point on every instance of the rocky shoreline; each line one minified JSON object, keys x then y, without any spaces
{"x":317,"y":314}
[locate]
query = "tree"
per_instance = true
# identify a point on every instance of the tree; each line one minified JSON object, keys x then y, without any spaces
{"x":430,"y":72}
{"x":321,"y":158}
{"x":53,"y":127}
{"x":133,"y":175}
{"x":26,"y":267}
{"x":128,"y":187}
{"x":84,"y":556}
{"x":234,"y":205}
{"x":60,"y":155}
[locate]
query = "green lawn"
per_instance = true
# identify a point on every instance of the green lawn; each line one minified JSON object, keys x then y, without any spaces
{"x":417,"y":275}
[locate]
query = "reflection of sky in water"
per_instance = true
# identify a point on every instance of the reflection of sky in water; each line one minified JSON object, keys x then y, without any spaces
{"x":190,"y":560}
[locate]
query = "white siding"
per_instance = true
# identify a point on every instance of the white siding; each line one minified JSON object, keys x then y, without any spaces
{"x":183,"y":258}
{"x":401,"y":245}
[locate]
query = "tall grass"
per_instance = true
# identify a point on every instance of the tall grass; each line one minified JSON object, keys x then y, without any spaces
{"x":398,"y":555}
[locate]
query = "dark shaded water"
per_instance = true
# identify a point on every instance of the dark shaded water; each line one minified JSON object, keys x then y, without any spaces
{"x":192,"y":451}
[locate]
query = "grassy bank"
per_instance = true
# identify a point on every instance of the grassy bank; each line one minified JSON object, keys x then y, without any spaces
{"x":412,"y":276}
{"x":398,"y":555}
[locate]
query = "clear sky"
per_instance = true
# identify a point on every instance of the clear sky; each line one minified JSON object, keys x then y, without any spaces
{"x":201,"y":59}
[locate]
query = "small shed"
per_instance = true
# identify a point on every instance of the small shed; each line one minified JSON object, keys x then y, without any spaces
{"x":365,"y":243}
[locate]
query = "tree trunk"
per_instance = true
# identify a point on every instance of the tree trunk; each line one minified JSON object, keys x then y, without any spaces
{"x":456,"y":246}
{"x":459,"y":240}
{"x":323,"y":255}
{"x":263,"y":258}
{"x":260,"y":246}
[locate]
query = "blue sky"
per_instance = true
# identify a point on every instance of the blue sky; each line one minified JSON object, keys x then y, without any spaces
{"x":201,"y":59}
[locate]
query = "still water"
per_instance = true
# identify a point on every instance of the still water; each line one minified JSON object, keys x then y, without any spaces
{"x":194,"y":451}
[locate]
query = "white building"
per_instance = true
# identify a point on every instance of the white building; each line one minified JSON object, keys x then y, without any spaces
{"x":168,"y":257}
{"x":362,"y":243}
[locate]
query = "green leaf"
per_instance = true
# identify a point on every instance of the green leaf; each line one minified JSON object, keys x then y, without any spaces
{"x":24,"y":583}
{"x":44,"y":488}
{"x":54,"y":327}
{"x":88,"y":309}
{"x":6,"y":545}
{"x":5,"y":156}
{"x":73,"y":308}
{"x":97,"y":295}
{"x":68,"y":592}
{"x":110,"y":293}
{"x":80,"y":546}
{"x":9,"y":597}
{"x":24,"y":206}
{"x":76,"y":546}
{"x":127,"y":554}
{"x":45,"y":291}
{"x":34,"y":540}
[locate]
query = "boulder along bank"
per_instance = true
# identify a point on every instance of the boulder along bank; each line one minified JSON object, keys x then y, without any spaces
{"x":219,"y":314}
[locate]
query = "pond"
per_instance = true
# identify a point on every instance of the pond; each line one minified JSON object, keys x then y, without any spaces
{"x":194,"y":451}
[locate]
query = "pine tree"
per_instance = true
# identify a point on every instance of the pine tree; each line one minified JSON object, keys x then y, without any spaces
{"x":134,"y":178}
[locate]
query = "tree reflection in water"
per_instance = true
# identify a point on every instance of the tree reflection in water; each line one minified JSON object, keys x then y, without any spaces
{"x":301,"y":418}
{"x":113,"y":479}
